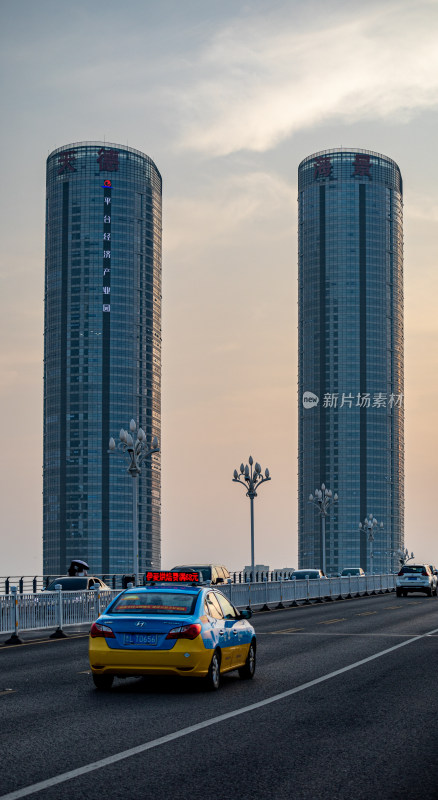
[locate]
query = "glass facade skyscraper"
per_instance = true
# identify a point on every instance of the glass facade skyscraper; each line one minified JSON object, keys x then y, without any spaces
{"x":351,"y":403}
{"x":102,"y":355}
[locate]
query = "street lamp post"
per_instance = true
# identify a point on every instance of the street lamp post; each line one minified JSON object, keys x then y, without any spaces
{"x":402,"y":555}
{"x":136,"y":453}
{"x":322,"y":500}
{"x":369,"y":525}
{"x":251,"y":480}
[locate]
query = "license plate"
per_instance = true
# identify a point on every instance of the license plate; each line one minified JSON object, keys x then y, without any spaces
{"x":412,"y":578}
{"x":140,"y":638}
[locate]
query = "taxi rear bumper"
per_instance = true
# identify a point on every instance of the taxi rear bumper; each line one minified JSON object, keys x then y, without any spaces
{"x":186,"y":658}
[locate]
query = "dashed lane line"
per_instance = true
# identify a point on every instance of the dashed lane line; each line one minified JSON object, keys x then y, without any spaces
{"x":42,"y":641}
{"x":331,"y":621}
{"x":288,"y":630}
{"x":171,"y":737}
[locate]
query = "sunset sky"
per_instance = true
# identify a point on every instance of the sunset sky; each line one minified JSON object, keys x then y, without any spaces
{"x":227,"y":98}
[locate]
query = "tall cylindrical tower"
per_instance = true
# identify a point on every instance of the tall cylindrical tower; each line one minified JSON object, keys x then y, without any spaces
{"x":102,"y":354}
{"x":351,"y":404}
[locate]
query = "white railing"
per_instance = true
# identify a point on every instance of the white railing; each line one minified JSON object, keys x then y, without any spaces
{"x":43,"y":610}
{"x":118,"y":580}
{"x":54,"y":610}
{"x":277,"y":593}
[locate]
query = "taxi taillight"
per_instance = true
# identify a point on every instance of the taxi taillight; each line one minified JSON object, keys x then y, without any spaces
{"x":185,"y":632}
{"x":97,"y":629}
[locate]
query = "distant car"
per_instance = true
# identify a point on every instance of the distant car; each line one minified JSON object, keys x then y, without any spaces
{"x":352,"y":571}
{"x":75,"y":584}
{"x":416,"y":578}
{"x":169,"y":629}
{"x":304,"y":574}
{"x":434,"y":572}
{"x":215,"y":573}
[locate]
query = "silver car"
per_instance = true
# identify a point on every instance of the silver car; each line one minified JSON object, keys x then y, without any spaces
{"x":352,"y":571}
{"x":304,"y":574}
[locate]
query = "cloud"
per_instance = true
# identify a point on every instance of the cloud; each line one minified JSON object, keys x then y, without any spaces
{"x":421,"y":207}
{"x":263,"y":80}
{"x":220,"y":213}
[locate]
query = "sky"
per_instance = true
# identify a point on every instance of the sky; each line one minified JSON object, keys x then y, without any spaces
{"x":227,"y":98}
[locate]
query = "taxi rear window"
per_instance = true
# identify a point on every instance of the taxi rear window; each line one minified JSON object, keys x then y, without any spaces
{"x":155,"y":603}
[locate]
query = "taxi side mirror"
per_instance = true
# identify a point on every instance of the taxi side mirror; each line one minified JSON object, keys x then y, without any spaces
{"x":246,"y":613}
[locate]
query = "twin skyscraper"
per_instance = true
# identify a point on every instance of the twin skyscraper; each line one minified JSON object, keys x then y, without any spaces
{"x":102,"y":357}
{"x":350,"y":357}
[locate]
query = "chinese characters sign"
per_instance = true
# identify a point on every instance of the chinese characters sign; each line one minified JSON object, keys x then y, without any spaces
{"x":350,"y":400}
{"x":173,"y":577}
{"x":362,"y":400}
{"x":362,"y":166}
{"x":66,"y":162}
{"x":106,"y":249}
{"x":323,"y":167}
{"x":108,"y":160}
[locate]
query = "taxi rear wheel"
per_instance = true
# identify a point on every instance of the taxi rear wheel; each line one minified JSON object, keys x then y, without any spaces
{"x":213,"y":678}
{"x":247,"y":671}
{"x":103,"y":682}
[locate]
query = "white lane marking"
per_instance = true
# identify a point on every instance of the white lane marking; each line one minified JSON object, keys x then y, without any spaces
{"x":302,"y":632}
{"x":171,"y":737}
{"x":44,"y":641}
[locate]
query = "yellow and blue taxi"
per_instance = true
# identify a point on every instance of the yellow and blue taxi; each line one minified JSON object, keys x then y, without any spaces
{"x":172,"y":626}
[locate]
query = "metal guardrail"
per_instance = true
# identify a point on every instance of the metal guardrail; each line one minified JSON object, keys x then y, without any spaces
{"x":45,"y":610}
{"x":36,"y":583}
{"x":48,"y":610}
{"x":278,"y":593}
{"x":118,"y":580}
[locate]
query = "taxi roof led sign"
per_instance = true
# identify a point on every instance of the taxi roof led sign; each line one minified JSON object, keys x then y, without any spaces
{"x":173,"y":577}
